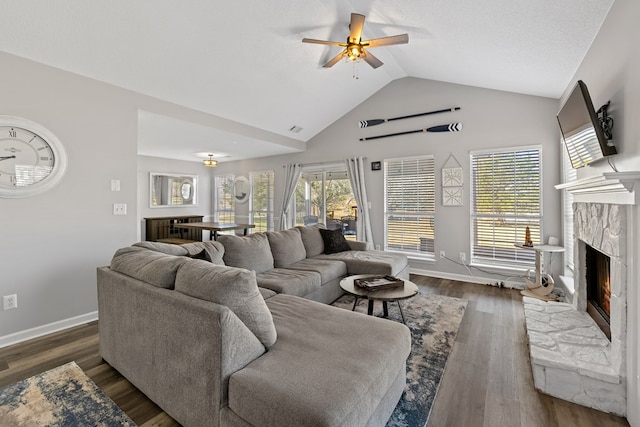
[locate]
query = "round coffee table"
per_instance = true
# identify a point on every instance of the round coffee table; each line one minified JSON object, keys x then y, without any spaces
{"x":407,"y":291}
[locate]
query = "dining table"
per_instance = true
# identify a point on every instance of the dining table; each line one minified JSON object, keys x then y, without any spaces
{"x":215,"y":227}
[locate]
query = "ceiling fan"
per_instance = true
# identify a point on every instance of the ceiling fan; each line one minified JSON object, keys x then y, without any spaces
{"x":355,"y":48}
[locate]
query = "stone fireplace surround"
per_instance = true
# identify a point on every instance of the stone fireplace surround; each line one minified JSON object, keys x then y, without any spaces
{"x":571,"y":358}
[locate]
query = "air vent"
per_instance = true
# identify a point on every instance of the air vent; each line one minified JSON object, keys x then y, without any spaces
{"x":295,"y":129}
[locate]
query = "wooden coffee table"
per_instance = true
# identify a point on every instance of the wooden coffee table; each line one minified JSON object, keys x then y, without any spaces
{"x":407,"y":291}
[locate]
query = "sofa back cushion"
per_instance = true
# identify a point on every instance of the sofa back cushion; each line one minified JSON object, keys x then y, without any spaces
{"x":232,"y":287}
{"x":211,"y":251}
{"x":156,"y":268}
{"x":165,"y":248}
{"x":251,"y":252}
{"x":311,"y":239}
{"x":286,"y":247}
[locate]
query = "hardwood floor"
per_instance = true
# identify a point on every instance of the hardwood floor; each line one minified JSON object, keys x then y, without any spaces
{"x":487,"y":381}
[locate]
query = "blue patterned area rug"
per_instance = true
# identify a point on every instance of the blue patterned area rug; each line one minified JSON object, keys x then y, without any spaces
{"x":63,"y":397}
{"x":434,"y":321}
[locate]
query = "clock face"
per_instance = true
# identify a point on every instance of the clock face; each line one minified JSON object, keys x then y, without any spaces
{"x":31,"y":158}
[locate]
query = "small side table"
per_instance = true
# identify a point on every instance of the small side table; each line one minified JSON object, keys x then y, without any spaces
{"x":409,"y":290}
{"x":538,"y":289}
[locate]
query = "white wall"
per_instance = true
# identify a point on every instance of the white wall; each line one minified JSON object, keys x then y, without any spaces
{"x":491,"y":119}
{"x":611,"y":70}
{"x":52,"y":243}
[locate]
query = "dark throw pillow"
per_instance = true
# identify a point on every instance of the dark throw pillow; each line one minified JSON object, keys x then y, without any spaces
{"x":334,"y":241}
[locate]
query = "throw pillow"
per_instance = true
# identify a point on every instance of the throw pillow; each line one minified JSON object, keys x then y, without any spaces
{"x":286,"y":247}
{"x":334,"y":241}
{"x":213,"y":251}
{"x":232,"y":287}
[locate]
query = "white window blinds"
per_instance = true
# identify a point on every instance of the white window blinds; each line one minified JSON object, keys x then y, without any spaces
{"x":505,"y":199}
{"x":224,"y":207}
{"x":568,"y":174}
{"x":410,"y":205}
{"x":262,"y":189}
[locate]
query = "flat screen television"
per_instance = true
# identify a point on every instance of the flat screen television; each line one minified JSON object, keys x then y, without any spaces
{"x":581,"y":129}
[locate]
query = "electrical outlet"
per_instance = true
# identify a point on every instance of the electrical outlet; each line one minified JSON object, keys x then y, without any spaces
{"x":119,"y":208}
{"x":443,"y":254}
{"x":9,"y":302}
{"x":463,"y":257}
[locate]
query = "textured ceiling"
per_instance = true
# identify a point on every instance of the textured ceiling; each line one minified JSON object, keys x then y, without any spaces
{"x":247,"y":65}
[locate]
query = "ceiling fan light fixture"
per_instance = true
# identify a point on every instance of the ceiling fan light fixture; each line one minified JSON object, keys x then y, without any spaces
{"x":210,"y":163}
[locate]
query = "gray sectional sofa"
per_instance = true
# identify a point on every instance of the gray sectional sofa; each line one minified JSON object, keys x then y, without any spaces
{"x":224,"y":334}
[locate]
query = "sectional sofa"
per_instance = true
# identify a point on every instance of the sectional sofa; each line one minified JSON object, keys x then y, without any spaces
{"x":226,"y":334}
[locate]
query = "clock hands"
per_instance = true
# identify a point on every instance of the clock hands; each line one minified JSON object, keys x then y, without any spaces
{"x":7,"y":157}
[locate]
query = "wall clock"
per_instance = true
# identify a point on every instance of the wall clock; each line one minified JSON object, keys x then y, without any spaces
{"x":241,"y":189}
{"x":32,"y":159}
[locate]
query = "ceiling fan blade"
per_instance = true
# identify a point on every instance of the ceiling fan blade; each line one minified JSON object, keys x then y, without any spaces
{"x":333,"y":61}
{"x":372,"y":60}
{"x":330,"y":43}
{"x":355,"y":28}
{"x":387,"y":41}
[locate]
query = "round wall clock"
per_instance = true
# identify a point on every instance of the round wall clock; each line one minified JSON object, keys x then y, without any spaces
{"x":32,"y":159}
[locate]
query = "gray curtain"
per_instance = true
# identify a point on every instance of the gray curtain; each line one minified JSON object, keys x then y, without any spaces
{"x":355,"y":169}
{"x":291,"y":176}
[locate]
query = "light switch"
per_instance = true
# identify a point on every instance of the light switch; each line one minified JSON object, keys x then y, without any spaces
{"x":119,"y":208}
{"x":115,"y":185}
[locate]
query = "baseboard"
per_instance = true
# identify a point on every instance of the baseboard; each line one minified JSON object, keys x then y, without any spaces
{"x":39,"y":331}
{"x":491,"y":281}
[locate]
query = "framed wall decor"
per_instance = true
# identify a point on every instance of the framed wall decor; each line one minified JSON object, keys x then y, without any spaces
{"x":172,"y":190}
{"x":376,"y":166}
{"x":452,"y":196}
{"x":452,"y":182}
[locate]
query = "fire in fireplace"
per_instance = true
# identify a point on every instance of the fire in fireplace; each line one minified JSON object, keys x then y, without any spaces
{"x":598,"y":288}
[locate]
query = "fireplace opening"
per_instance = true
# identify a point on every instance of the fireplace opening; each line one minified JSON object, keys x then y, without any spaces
{"x":598,"y":289}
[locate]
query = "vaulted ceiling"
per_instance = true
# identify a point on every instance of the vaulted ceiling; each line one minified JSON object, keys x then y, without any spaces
{"x":243,"y":61}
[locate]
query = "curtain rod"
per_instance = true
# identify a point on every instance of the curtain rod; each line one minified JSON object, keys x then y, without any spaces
{"x":329,"y":163}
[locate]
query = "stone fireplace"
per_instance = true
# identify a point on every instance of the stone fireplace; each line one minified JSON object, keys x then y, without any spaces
{"x":574,"y":355}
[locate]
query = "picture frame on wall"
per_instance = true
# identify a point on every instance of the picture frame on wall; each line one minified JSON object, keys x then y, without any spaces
{"x":376,"y":166}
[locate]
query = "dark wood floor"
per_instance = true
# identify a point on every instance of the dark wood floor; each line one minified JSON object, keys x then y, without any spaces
{"x":487,"y":381}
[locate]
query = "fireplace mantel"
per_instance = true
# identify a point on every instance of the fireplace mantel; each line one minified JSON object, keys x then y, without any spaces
{"x":620,"y":188}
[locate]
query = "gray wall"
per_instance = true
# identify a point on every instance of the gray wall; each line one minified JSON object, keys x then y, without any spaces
{"x":491,"y":119}
{"x":611,"y":70}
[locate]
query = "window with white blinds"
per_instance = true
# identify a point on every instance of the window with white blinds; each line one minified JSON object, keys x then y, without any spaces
{"x":506,"y":198}
{"x":224,"y":208}
{"x":568,"y":174}
{"x":409,"y":189}
{"x":261,"y":210}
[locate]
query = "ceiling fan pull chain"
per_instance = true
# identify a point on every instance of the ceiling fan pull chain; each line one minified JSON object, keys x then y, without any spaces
{"x":355,"y":70}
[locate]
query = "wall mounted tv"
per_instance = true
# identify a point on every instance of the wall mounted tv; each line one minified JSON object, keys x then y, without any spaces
{"x":582,"y":129}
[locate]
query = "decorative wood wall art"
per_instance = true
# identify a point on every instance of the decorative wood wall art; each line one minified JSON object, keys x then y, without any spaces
{"x":375,"y":122}
{"x":452,"y":182}
{"x":452,"y":127}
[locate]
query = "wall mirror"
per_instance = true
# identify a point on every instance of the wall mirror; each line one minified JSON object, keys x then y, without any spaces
{"x":172,"y":190}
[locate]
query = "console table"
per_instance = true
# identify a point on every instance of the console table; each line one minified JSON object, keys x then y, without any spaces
{"x":164,"y":229}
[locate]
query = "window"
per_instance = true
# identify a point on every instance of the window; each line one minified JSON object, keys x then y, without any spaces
{"x":506,"y":198}
{"x":324,"y":195}
{"x":409,"y":197}
{"x":261,"y":210}
{"x":568,"y":174}
{"x":224,"y":208}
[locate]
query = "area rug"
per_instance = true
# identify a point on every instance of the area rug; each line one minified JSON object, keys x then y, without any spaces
{"x":63,"y":397}
{"x":434,"y":321}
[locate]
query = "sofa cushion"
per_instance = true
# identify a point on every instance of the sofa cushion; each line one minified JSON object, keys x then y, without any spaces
{"x":213,"y":251}
{"x":328,"y":269}
{"x":251,"y":252}
{"x":372,"y":262}
{"x":334,"y":241}
{"x":312,"y":240}
{"x":156,"y":268}
{"x":329,"y":367}
{"x":233,"y":287}
{"x":292,"y":282}
{"x":165,"y":248}
{"x":286,"y":247}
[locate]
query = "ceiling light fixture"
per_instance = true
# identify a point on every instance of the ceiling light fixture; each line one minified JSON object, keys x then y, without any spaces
{"x":210,"y":162}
